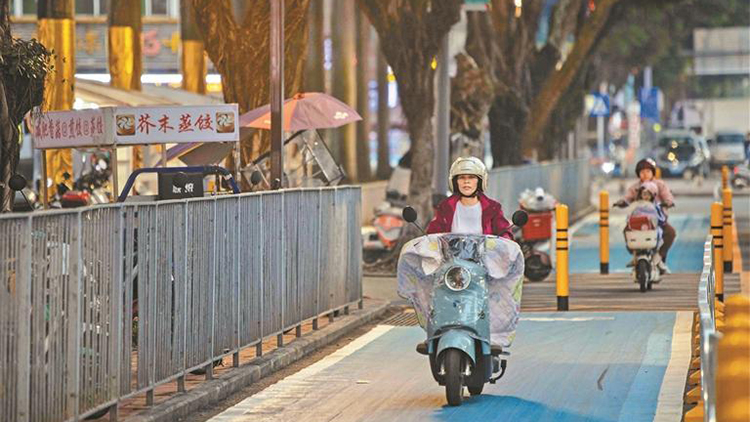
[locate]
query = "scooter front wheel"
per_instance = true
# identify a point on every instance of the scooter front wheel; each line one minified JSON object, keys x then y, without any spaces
{"x":641,"y":274}
{"x":452,"y":362}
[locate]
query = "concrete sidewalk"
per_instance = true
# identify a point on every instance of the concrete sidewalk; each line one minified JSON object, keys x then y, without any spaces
{"x":225,"y":383}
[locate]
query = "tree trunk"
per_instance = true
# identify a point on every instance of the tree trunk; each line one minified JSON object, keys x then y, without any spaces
{"x":9,"y":150}
{"x":56,"y":31}
{"x":315,"y":76}
{"x":506,"y":117}
{"x":384,"y":123}
{"x":240,"y":54}
{"x":363,"y":98}
{"x":344,"y":80}
{"x":125,"y":58}
{"x":555,"y":86}
{"x":193,"y":53}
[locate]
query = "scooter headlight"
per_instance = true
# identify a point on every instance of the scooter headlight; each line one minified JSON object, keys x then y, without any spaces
{"x":457,"y":278}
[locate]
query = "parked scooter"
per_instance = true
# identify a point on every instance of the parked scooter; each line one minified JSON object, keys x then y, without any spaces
{"x":383,"y":234}
{"x":537,"y":232}
{"x":643,"y":237}
{"x":466,"y":290}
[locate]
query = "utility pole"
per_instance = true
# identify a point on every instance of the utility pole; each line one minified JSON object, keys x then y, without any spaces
{"x":56,"y":31}
{"x":384,"y":166}
{"x":277,"y":93}
{"x":363,"y":98}
{"x":442,"y":138}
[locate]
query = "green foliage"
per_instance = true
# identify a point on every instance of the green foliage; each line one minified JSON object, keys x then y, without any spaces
{"x":24,"y":65}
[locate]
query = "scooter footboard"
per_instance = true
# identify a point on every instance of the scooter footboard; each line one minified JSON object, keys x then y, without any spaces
{"x":457,"y":339}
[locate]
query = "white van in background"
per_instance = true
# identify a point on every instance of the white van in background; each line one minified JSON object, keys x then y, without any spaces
{"x":727,"y":148}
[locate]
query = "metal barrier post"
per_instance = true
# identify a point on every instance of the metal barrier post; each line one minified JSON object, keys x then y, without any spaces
{"x":724,"y":177}
{"x":733,"y":372}
{"x":561,"y":216}
{"x":727,"y":231}
{"x":717,"y":234}
{"x":604,"y":232}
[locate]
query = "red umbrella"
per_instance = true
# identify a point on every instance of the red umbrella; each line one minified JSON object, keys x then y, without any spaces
{"x":304,"y":111}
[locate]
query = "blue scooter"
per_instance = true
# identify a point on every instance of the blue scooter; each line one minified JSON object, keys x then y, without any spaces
{"x":458,"y":324}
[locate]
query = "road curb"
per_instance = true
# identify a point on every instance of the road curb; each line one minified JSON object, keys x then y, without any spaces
{"x":213,"y":391}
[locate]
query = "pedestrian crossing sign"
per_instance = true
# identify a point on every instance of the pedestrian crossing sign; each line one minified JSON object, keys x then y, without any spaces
{"x":597,"y":104}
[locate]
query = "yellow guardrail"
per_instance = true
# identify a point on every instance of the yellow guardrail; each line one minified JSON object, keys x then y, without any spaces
{"x":723,"y":340}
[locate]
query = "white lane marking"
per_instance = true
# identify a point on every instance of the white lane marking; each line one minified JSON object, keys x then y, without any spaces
{"x":670,"y":402}
{"x":573,"y":319}
{"x":270,"y":399}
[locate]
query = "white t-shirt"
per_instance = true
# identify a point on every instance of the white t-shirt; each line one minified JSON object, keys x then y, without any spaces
{"x":467,"y":219}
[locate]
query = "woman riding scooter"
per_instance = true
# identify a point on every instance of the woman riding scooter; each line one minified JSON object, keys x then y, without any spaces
{"x":465,"y":282}
{"x":646,"y":169}
{"x":469,"y":210}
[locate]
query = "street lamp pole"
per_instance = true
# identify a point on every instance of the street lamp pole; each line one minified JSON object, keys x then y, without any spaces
{"x":277,"y":92}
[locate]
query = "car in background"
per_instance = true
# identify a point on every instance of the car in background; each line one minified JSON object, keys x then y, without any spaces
{"x":682,"y":153}
{"x":727,"y":148}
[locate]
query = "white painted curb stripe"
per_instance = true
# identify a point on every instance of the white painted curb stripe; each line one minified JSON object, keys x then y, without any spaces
{"x":269,"y":396}
{"x":670,"y":402}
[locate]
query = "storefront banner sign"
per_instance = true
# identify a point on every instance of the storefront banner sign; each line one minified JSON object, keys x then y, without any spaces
{"x":108,"y":126}
{"x":74,"y":128}
{"x":175,"y":124}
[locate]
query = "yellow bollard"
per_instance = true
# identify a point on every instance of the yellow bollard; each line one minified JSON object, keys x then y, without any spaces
{"x":657,"y":174}
{"x":716,"y":232}
{"x":604,"y":232}
{"x":561,"y":219}
{"x":727,"y":231}
{"x":733,"y":377}
{"x":724,"y":177}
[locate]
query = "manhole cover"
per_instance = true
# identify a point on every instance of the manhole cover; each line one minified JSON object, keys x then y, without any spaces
{"x":404,"y":319}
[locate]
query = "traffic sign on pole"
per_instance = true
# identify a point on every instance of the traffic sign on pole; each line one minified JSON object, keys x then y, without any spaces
{"x":599,"y":104}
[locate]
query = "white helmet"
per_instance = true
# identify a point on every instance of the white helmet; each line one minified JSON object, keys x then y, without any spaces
{"x":468,"y":165}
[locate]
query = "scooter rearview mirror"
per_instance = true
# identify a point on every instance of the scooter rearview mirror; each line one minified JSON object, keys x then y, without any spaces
{"x":256,"y":178}
{"x":409,"y":215}
{"x":520,"y":218}
{"x":17,"y":182}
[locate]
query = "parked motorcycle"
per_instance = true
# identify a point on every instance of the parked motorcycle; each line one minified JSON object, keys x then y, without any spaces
{"x":466,"y":291}
{"x":741,"y":177}
{"x":642,"y":235}
{"x":537,"y":232}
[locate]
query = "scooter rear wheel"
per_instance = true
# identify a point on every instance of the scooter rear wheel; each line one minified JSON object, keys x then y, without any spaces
{"x":641,"y":274}
{"x":452,"y":362}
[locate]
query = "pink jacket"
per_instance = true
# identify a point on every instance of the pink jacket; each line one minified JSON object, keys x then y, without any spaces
{"x":493,"y":220}
{"x":664,"y":195}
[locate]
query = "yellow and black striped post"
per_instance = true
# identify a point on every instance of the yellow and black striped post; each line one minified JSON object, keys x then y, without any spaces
{"x":561,"y":219}
{"x":727,"y":230}
{"x":718,"y":241}
{"x":657,"y":174}
{"x":604,"y":232}
{"x":724,"y":177}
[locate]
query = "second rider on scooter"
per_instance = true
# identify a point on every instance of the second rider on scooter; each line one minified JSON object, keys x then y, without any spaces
{"x":646,"y":170}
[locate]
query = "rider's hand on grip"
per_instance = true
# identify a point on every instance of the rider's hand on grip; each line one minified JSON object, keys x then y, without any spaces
{"x":620,"y":204}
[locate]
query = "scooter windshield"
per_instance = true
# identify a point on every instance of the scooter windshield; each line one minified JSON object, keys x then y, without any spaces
{"x":423,"y":259}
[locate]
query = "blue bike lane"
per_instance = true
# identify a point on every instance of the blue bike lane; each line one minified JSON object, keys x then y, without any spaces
{"x":563,"y":367}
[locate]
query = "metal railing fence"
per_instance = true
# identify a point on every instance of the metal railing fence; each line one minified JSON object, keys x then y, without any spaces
{"x":709,"y":336}
{"x":99,"y":304}
{"x":568,"y":181}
